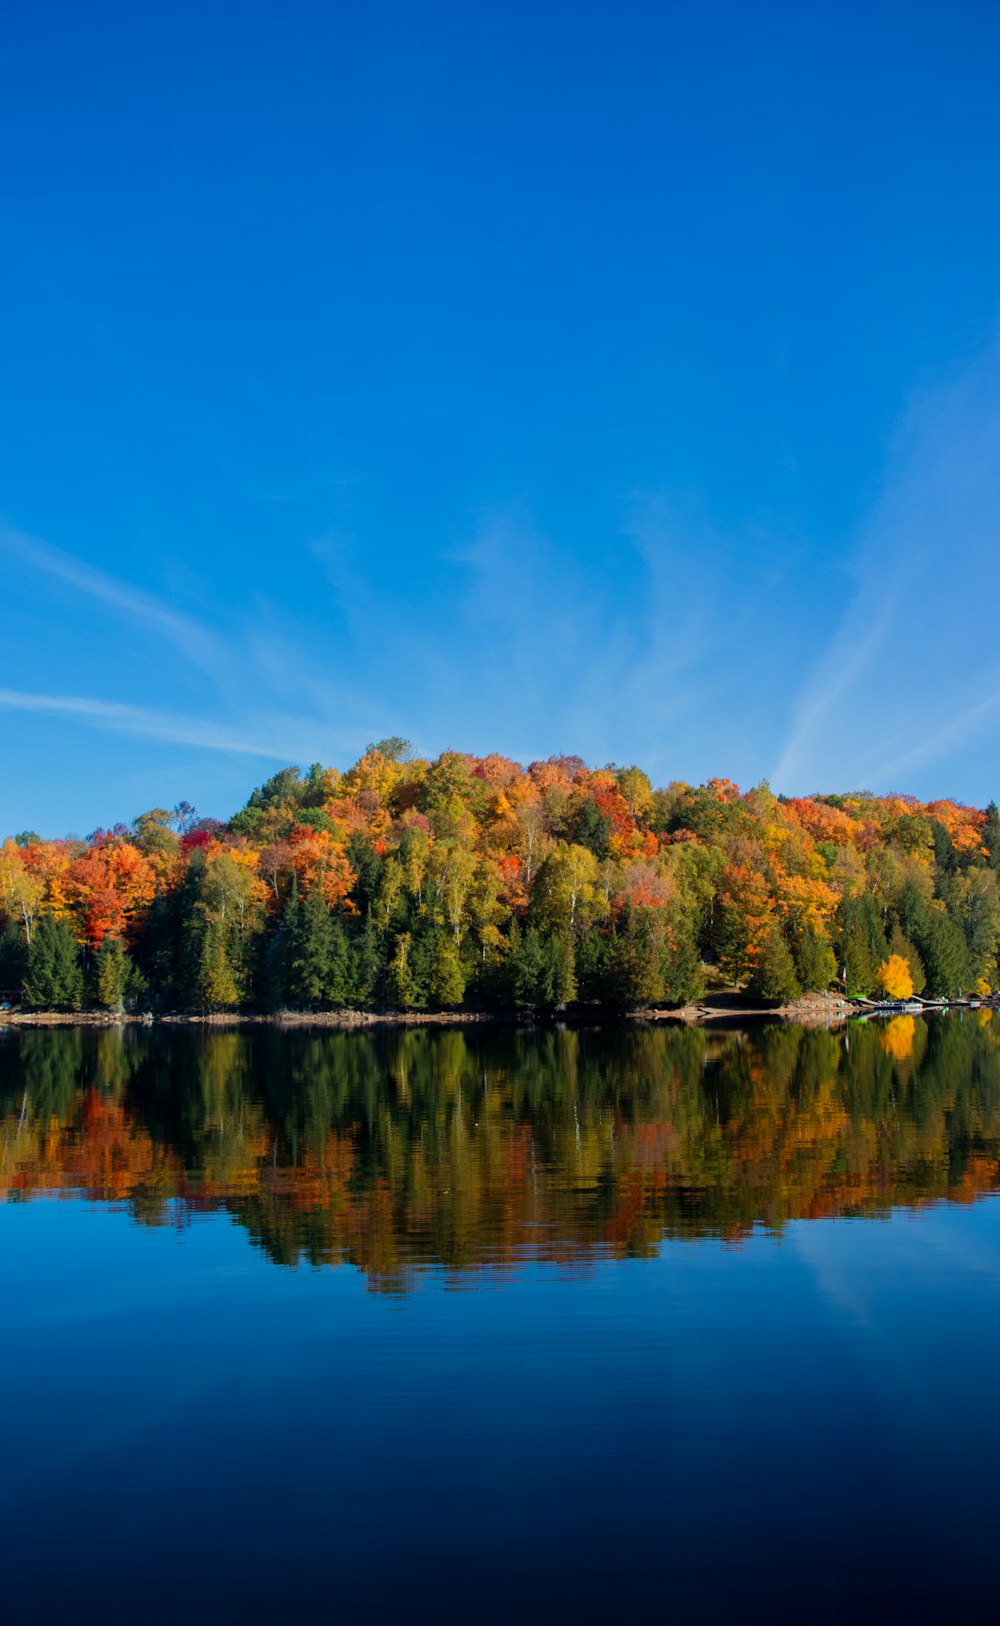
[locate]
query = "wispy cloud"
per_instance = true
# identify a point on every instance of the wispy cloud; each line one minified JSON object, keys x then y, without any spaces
{"x":911,"y":671}
{"x":942,"y":742}
{"x":137,"y":721}
{"x":602,"y":655}
{"x":256,"y":669}
{"x":182,"y":632}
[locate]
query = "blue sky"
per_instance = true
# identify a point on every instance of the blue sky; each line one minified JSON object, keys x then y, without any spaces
{"x":611,"y":379}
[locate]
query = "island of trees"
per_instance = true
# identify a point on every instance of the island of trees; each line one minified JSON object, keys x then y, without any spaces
{"x":472,"y":881}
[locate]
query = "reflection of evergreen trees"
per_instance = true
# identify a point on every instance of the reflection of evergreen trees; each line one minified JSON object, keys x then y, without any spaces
{"x":472,"y":1148}
{"x":44,"y":1069}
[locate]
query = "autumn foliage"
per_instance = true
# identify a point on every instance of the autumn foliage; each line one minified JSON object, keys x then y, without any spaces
{"x":894,"y":978}
{"x":410,"y":884}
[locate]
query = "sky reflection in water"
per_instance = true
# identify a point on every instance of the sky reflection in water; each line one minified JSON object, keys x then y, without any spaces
{"x":682,"y":1392}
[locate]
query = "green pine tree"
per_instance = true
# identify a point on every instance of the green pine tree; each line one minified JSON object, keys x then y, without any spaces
{"x":563,"y":961}
{"x":815,"y":962}
{"x":311,"y":952}
{"x":863,"y":946}
{"x":13,"y":958}
{"x":635,"y":959}
{"x":370,"y":963}
{"x":280,"y":951}
{"x":447,"y":976}
{"x":343,"y":976}
{"x":118,"y":981}
{"x":683,"y":972}
{"x":219,"y":985}
{"x":773,"y":976}
{"x":529,"y":967}
{"x":54,"y":976}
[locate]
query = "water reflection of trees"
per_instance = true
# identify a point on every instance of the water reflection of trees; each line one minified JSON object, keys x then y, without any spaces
{"x":479,"y":1148}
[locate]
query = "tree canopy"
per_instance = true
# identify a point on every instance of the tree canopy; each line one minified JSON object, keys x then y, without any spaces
{"x":413,"y":884}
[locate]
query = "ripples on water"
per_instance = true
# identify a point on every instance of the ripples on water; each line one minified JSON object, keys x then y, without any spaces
{"x":699,"y":1391}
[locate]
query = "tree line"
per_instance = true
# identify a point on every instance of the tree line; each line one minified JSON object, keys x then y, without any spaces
{"x":409,"y":884}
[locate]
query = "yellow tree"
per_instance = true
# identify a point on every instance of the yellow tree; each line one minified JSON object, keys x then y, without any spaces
{"x":894,"y":977}
{"x":232,"y":888}
{"x":21,"y":893}
{"x":568,"y":891}
{"x":232,"y":900}
{"x":452,"y":868}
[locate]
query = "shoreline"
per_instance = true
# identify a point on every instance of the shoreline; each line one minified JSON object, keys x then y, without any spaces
{"x":811,"y":1010}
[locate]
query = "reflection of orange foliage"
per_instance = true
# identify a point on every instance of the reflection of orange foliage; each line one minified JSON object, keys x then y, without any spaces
{"x":437,"y":1159}
{"x":98,"y":1150}
{"x":897,"y":1037}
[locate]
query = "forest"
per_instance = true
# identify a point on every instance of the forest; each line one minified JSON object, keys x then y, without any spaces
{"x":473,"y":882}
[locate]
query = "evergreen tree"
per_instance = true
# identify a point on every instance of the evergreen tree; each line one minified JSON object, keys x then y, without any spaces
{"x":945,"y":856}
{"x":683,"y":972}
{"x":900,"y":945}
{"x":424,"y":938}
{"x":280,"y":953}
{"x":13,"y":958}
{"x":370,"y":963}
{"x":530,"y":967}
{"x":978,"y":918}
{"x":945,"y":955}
{"x":773,"y":976}
{"x":938,"y":940}
{"x":592,"y":963}
{"x":563,"y":961}
{"x":367,"y":866}
{"x":168,"y":949}
{"x":312,"y":952}
{"x":54,"y":976}
{"x":342,"y":968}
{"x":635,"y":961}
{"x":863,"y":946}
{"x":218,"y":984}
{"x":118,"y":981}
{"x":815,"y":962}
{"x":447,"y":983}
{"x":592,"y":830}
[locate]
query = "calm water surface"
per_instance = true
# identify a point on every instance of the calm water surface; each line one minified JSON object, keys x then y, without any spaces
{"x":500,"y":1325}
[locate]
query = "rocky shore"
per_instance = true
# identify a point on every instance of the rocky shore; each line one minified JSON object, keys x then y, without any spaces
{"x":728,"y":1006}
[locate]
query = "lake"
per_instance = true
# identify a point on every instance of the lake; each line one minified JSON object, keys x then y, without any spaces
{"x":500,"y":1324}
